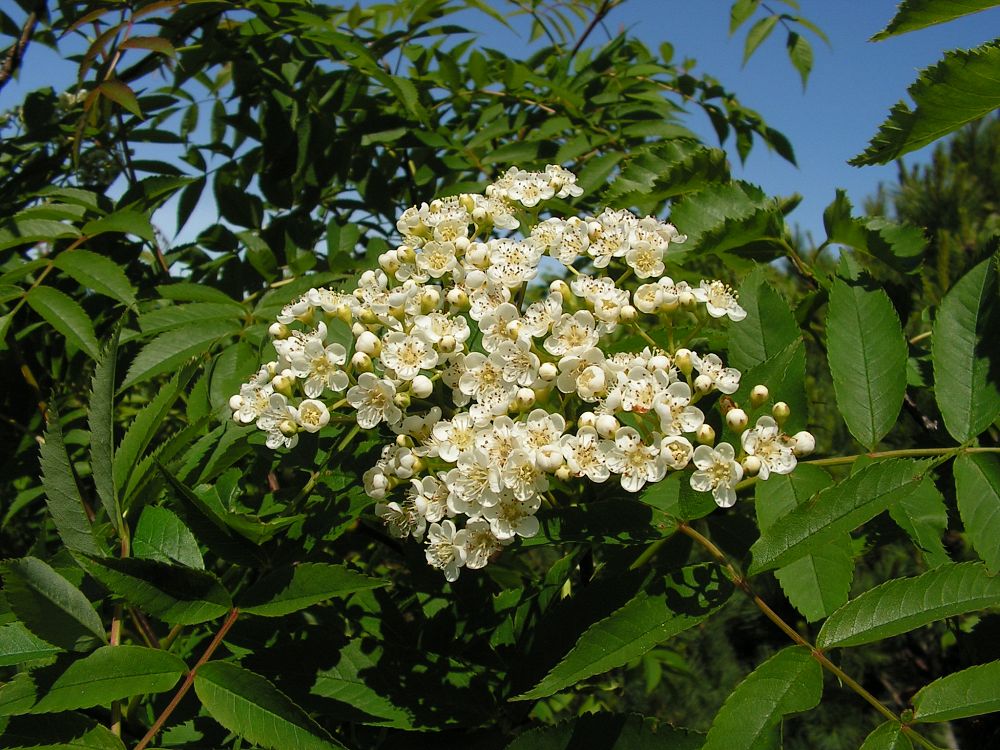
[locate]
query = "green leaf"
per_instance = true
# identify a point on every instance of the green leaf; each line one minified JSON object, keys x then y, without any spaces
{"x":669,"y":605}
{"x":19,"y":645}
{"x":124,"y":221}
{"x":977,"y":489}
{"x":65,"y":731}
{"x":784,"y":374}
{"x":923,"y":516}
{"x":971,"y":692}
{"x":51,"y":607}
{"x":962,"y":87}
{"x":768,"y":328}
{"x":108,"y":674}
{"x":615,"y":522}
{"x":899,"y":246}
{"x":96,"y":272}
{"x":121,"y":94}
{"x":170,"y":350}
{"x":293,"y":588}
{"x":248,"y":705}
{"x":800,"y":54}
{"x":757,"y":34}
{"x":101,"y":413}
{"x":835,"y":512}
{"x":888,"y":736}
{"x":672,"y":168}
{"x":788,"y":682}
{"x":903,"y":604}
{"x":161,"y":535}
{"x":867,"y":355}
{"x":965,"y":355}
{"x":608,"y":732}
{"x":62,"y":494}
{"x":65,"y":315}
{"x":173,"y":593}
{"x":152,"y":43}
{"x":919,"y":14}
{"x":740,"y":11}
{"x":32,"y":231}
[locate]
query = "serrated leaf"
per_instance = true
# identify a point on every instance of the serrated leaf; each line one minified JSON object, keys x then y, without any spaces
{"x":32,"y":231}
{"x":904,"y":604}
{"x":899,"y":246}
{"x":51,"y":607}
{"x":888,"y":736}
{"x":784,"y":374}
{"x":923,"y":516}
{"x":672,"y":168}
{"x":151,"y":43}
{"x":100,"y":417}
{"x":757,"y":34}
{"x":867,"y":355}
{"x":740,"y":11}
{"x":768,"y":328}
{"x":98,"y":273}
{"x":964,"y":354}
{"x":919,"y":14}
{"x":121,"y":94}
{"x":108,"y":674}
{"x":19,"y":645}
{"x":161,"y":535}
{"x":170,"y":350}
{"x":977,"y":490}
{"x":65,"y":731}
{"x":250,"y":706}
{"x":971,"y":692}
{"x":835,"y":512}
{"x":669,"y":605}
{"x":64,"y":314}
{"x":800,"y":54}
{"x":190,"y":314}
{"x":124,"y":221}
{"x":173,"y":593}
{"x":62,"y":494}
{"x":963,"y":86}
{"x":608,"y":731}
{"x":788,"y":682}
{"x":299,"y":586}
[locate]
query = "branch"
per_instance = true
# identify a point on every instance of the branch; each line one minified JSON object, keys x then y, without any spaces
{"x":16,"y":52}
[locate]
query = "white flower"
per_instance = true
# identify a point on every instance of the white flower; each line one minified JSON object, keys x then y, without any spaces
{"x":452,"y":437}
{"x":572,"y":334}
{"x":724,"y":379}
{"x":446,"y":548}
{"x":429,"y":496}
{"x":718,"y":472}
{"x":408,"y":354}
{"x":676,"y":413}
{"x":373,"y":398}
{"x":521,"y":476}
{"x":401,"y":520}
{"x":767,"y":443}
{"x":320,"y":366}
{"x":719,"y":300}
{"x":636,"y":462}
{"x":312,"y":415}
{"x":583,"y":454}
{"x":676,"y":451}
{"x":480,"y":544}
{"x":510,"y":517}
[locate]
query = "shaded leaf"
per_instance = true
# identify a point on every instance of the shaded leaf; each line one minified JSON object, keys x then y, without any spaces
{"x":888,"y":736}
{"x":65,"y":731}
{"x":170,"y":350}
{"x":290,"y":589}
{"x":923,"y":516}
{"x":616,"y":522}
{"x":919,"y":14}
{"x":64,"y":314}
{"x":96,"y":272}
{"x":18,"y":645}
{"x":100,"y":414}
{"x":606,"y":731}
{"x":32,"y":231}
{"x":971,"y":692}
{"x":903,"y":604}
{"x":121,"y":94}
{"x":768,"y":328}
{"x":977,"y":489}
{"x":161,"y":535}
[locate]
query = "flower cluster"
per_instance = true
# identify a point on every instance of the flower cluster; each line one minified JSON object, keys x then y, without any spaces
{"x":499,"y":403}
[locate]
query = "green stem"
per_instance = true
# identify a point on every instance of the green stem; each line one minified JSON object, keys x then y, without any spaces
{"x":743,"y":584}
{"x":348,"y":438}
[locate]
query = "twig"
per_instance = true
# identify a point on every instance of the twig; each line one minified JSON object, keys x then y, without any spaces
{"x":599,"y":15}
{"x":13,"y":60}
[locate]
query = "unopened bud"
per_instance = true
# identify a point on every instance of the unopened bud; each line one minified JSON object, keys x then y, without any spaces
{"x":803,"y":443}
{"x":404,"y":441}
{"x":751,"y":465}
{"x":422,"y":386}
{"x":587,"y":419}
{"x":686,"y":299}
{"x":458,"y":298}
{"x":287,"y":427}
{"x":402,"y":400}
{"x":759,"y":395}
{"x":549,"y":459}
{"x":283,"y":384}
{"x":406,"y":254}
{"x":781,"y":412}
{"x":368,"y":343}
{"x":236,"y":402}
{"x":659,"y":362}
{"x":361,"y":362}
{"x":703,"y":384}
{"x":682,"y":360}
{"x":429,"y":300}
{"x":606,"y":425}
{"x":524,"y":399}
{"x":737,"y":420}
{"x":548,"y":371}
{"x":705,"y":434}
{"x":560,"y":286}
{"x":447,"y":344}
{"x":628,"y":314}
{"x":278,"y":331}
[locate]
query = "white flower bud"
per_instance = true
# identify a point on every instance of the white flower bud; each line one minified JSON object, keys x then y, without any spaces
{"x":458,"y":298}
{"x":781,"y":412}
{"x":278,"y":331}
{"x":682,"y":359}
{"x":421,"y":386}
{"x":369,"y":344}
{"x":705,"y":434}
{"x":447,"y":344}
{"x":524,"y":399}
{"x":659,"y":362}
{"x":627,"y":314}
{"x":357,"y":329}
{"x":402,"y":400}
{"x":389,"y":262}
{"x":803,"y":443}
{"x":283,"y":384}
{"x":429,"y":300}
{"x":361,"y":362}
{"x":670,"y":305}
{"x":236,"y":402}
{"x":404,"y":441}
{"x":703,"y":384}
{"x":560,"y":286}
{"x":287,"y":427}
{"x":563,"y":473}
{"x":606,"y":425}
{"x":549,"y":458}
{"x":461,"y":244}
{"x":751,"y":465}
{"x":406,"y":254}
{"x":587,"y":419}
{"x":548,"y":371}
{"x":686,"y":299}
{"x":737,"y":420}
{"x":759,"y":395}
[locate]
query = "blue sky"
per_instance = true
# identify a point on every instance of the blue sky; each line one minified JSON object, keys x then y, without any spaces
{"x":853,"y":84}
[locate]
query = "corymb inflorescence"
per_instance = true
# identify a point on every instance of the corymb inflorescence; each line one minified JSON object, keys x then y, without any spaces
{"x":502,"y":392}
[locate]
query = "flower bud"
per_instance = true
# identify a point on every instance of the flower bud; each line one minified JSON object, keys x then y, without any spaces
{"x":404,"y":441}
{"x":549,"y":458}
{"x":686,"y":299}
{"x":803,"y":443}
{"x":367,"y":317}
{"x":705,"y":434}
{"x":406,"y":254}
{"x":737,"y":420}
{"x":607,"y":425}
{"x":781,"y":412}
{"x":361,"y":362}
{"x":343,"y":312}
{"x":287,"y":427}
{"x":524,"y":399}
{"x":560,"y":286}
{"x":422,"y":387}
{"x":751,"y":465}
{"x":402,"y":400}
{"x":283,"y":384}
{"x":429,"y":300}
{"x":659,"y":362}
{"x":628,"y":314}
{"x":563,"y":473}
{"x":458,"y":298}
{"x":461,"y":244}
{"x":682,"y":360}
{"x":548,"y":371}
{"x":447,"y":344}
{"x":278,"y":331}
{"x":368,"y":343}
{"x":670,"y":305}
{"x":587,"y":419}
{"x":703,"y":384}
{"x":759,"y":395}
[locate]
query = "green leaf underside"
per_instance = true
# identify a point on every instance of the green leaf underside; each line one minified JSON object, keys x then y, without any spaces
{"x":912,"y":15}
{"x":65,"y":731}
{"x":768,"y":328}
{"x":248,"y":705}
{"x":834,"y":512}
{"x":971,"y":692}
{"x":96,"y":272}
{"x":108,"y":674}
{"x":161,"y":535}
{"x":963,"y":86}
{"x":33,"y":231}
{"x":51,"y":607}
{"x":888,"y":736}
{"x":64,"y":314}
{"x":169,"y":350}
{"x":788,"y":682}
{"x":101,"y":421}
{"x":964,"y":354}
{"x":867,"y":355}
{"x":977,"y":489}
{"x":172,"y":593}
{"x":19,"y":645}
{"x":672,"y":604}
{"x":291,"y":589}
{"x":924,"y":517}
{"x":62,"y":494}
{"x":126,"y":221}
{"x":608,"y":732}
{"x":904,"y":604}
